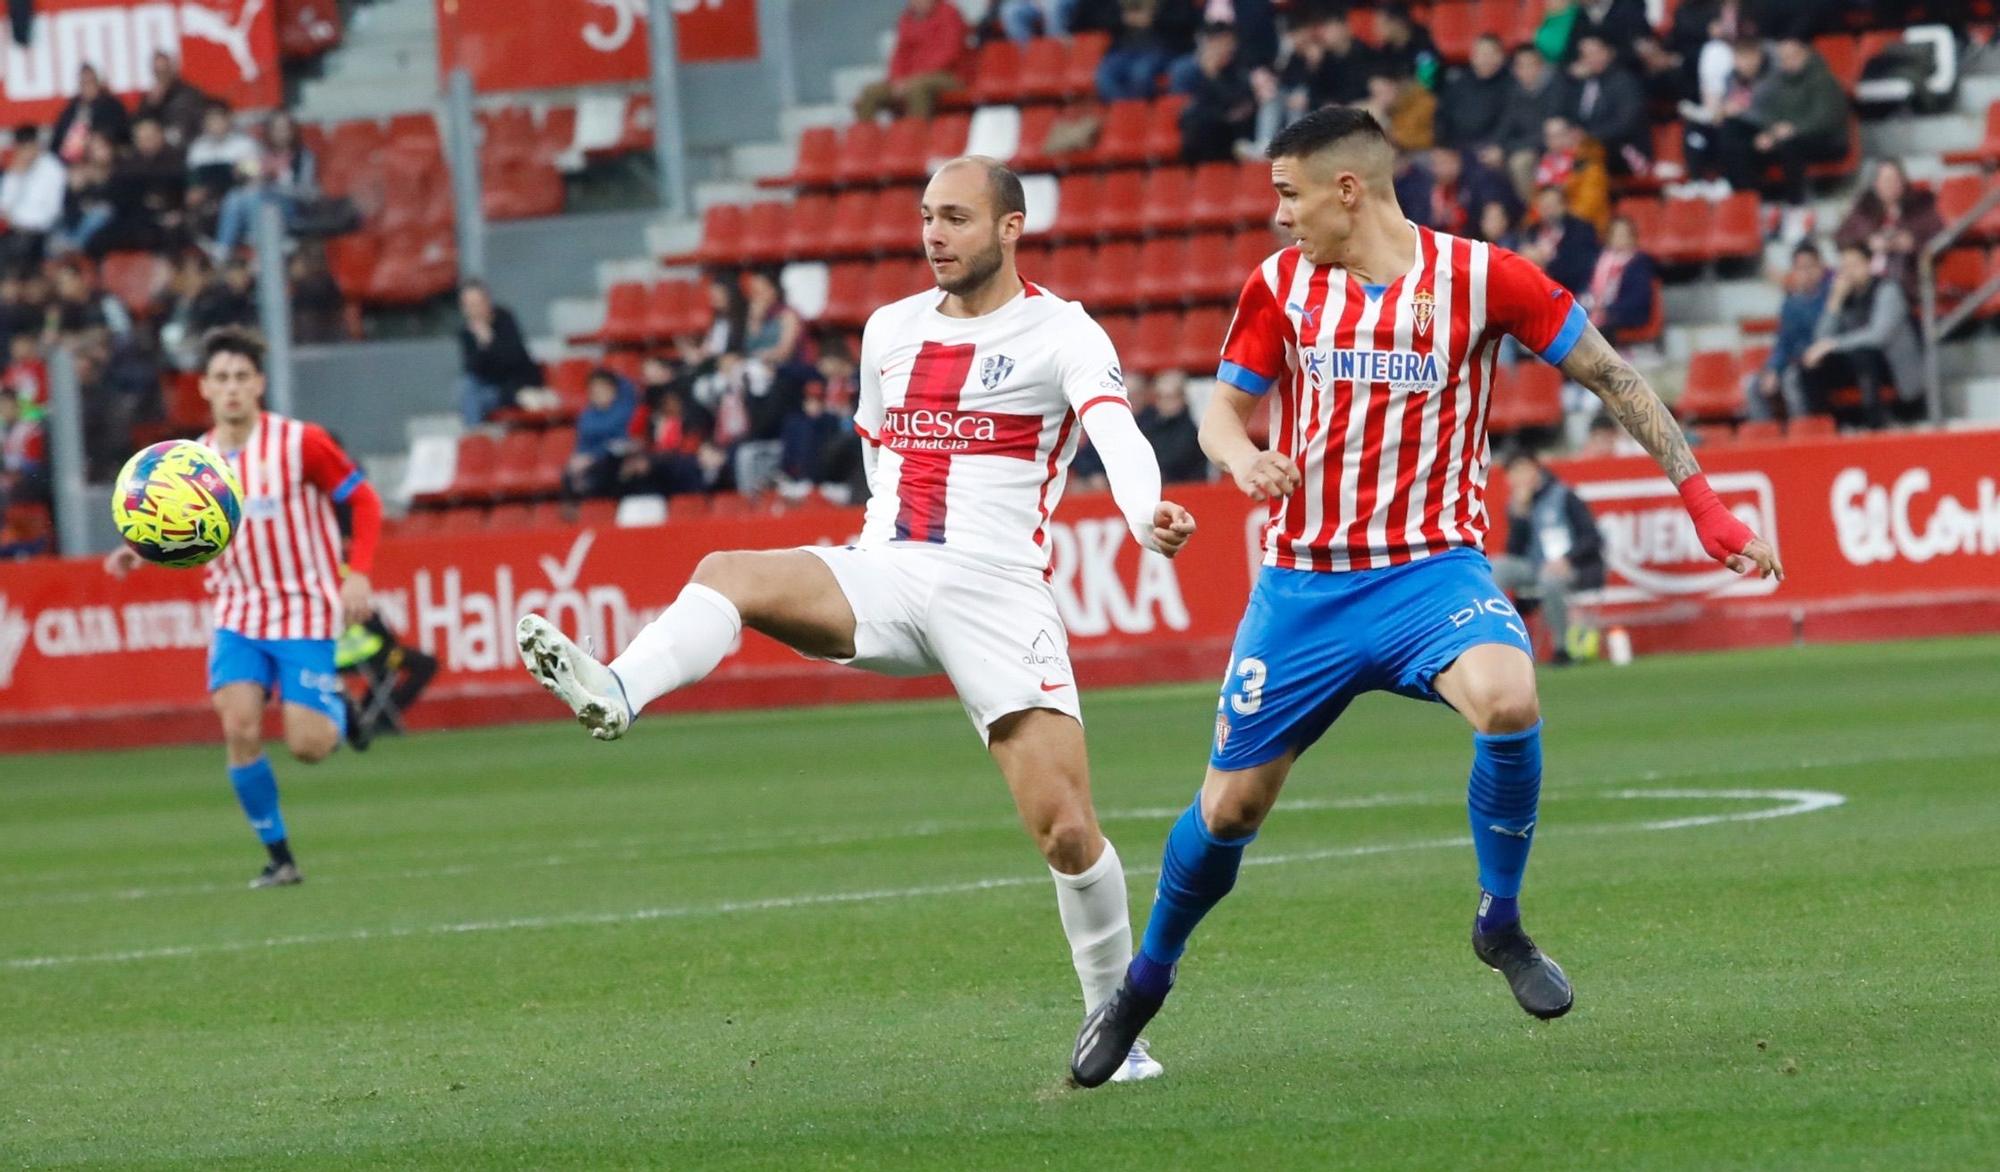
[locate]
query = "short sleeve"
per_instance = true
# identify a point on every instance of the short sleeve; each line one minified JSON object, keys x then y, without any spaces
{"x":868,"y":398}
{"x":1253,"y":351}
{"x":1087,"y":364}
{"x":327,"y":467}
{"x":1523,"y":301}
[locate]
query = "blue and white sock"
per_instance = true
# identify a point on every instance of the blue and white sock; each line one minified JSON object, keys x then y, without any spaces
{"x":1502,"y":799}
{"x":1198,"y":869}
{"x":257,"y":791}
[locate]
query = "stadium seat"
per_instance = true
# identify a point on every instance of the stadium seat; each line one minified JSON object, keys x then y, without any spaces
{"x":557,"y":132}
{"x":1452,"y":28}
{"x":766,"y":232}
{"x":1165,"y":199}
{"x":675,"y":308}
{"x":996,"y":77}
{"x":1086,"y":51}
{"x":1071,"y":274}
{"x":1123,"y":330}
{"x":1685,"y":231}
{"x":597,"y":514}
{"x":817,"y":163}
{"x":1248,"y":250}
{"x":1078,"y":209}
{"x":413,"y":267}
{"x":1113,"y":277}
{"x":1044,"y":64}
{"x":1656,"y":322}
{"x":809,"y":222}
{"x":1737,"y":233}
{"x":569,"y":378}
{"x":625,"y":314}
{"x":1811,"y":427}
{"x":945,"y":141}
{"x":462,"y":520}
{"x":1843,"y":58}
{"x":135,"y":279}
{"x":510,"y":517}
{"x":1121,"y":140}
{"x":1988,"y":150}
{"x":1163,"y":128}
{"x":1756,"y":327}
{"x":1714,"y":390}
{"x":721,"y":235}
{"x":1123,"y":210}
{"x":1211,"y":274}
{"x":1163,"y":271}
{"x":1537,"y":392}
{"x":1200,"y":349}
{"x":860,"y":148}
{"x":1500,"y":18}
{"x":1759,"y":431}
{"x":472,"y":476}
{"x":1256,"y":203}
{"x":1030,"y":153}
{"x":1156,"y":343}
{"x":1645,"y":212}
{"x":514,"y":465}
{"x":1959,"y":194}
{"x":847,"y":294}
{"x":897,"y":227}
{"x":903,"y":151}
{"x":551,"y":458}
{"x":850,"y":229}
{"x":1212,"y":196}
{"x":520,"y":188}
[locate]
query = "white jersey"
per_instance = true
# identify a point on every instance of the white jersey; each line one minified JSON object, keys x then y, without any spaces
{"x":974,"y":420}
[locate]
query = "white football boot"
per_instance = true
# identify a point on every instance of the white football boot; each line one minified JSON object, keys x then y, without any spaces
{"x":1140,"y":1065}
{"x":574,"y":676}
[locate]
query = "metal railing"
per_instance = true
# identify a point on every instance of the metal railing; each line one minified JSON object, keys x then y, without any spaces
{"x":1937,"y":328}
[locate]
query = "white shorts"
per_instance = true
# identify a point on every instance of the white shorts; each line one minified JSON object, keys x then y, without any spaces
{"x":996,"y":633}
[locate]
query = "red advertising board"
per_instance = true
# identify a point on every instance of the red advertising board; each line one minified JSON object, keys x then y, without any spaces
{"x":226,"y":48}
{"x":555,"y":43}
{"x":1880,"y":536}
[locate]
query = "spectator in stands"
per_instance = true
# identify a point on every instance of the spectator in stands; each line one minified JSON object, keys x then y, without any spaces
{"x":1611,"y":106}
{"x":1024,"y":20}
{"x":1725,"y":106}
{"x":229,"y":298}
{"x":1604,"y":439}
{"x":1563,"y":245}
{"x":319,"y":311}
{"x":728,"y":314}
{"x":1541,"y":93}
{"x":671,"y":432}
{"x":1618,"y":24}
{"x":1138,"y":57}
{"x":805,"y":436}
{"x":603,"y":436}
{"x":94,"y":110}
{"x":1472,"y":109}
{"x":78,"y":308}
{"x":773,"y":332}
{"x":177,"y":106}
{"x":16,"y":316}
{"x":1866,"y":340}
{"x":87,"y":202}
{"x":1222,"y":105}
{"x":219,"y":159}
{"x":1798,"y":116}
{"x":1575,"y":162}
{"x":1557,"y":31}
{"x":1323,"y":66}
{"x":1894,"y":220}
{"x":1254,"y":24}
{"x":494,"y":363}
{"x":1405,"y":47}
{"x":1343,"y":72}
{"x":148,"y":193}
{"x":1662,"y":76}
{"x":1554,"y":549}
{"x":1406,"y":110}
{"x":1622,"y":285}
{"x":31,"y":198}
{"x":23,"y":454}
{"x":1444,"y":193}
{"x":286,"y":173}
{"x":929,"y":59}
{"x":1496,"y":226}
{"x":1778,"y":384}
{"x":1167,"y":425}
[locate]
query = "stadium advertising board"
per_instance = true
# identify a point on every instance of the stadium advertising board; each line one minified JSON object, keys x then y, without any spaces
{"x":1903,"y":528}
{"x":554,"y":43}
{"x":227,"y":49}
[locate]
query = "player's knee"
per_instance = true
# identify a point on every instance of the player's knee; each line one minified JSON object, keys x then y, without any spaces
{"x":1235,"y":814}
{"x":729,"y":573}
{"x":310,"y":748}
{"x":1506,"y":710}
{"x":1069,"y":843}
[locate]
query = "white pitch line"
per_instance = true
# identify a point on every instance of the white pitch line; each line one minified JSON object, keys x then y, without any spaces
{"x":1793,"y":802}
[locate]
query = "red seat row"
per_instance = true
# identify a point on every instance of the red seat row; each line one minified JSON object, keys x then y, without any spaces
{"x":1209,"y":267}
{"x":637,"y":313}
{"x":522,"y":465}
{"x":1713,"y":390}
{"x":1046,"y":69}
{"x":1163,"y":201}
{"x":1160,"y":340}
{"x":1525,"y":396}
{"x":1696,"y":231}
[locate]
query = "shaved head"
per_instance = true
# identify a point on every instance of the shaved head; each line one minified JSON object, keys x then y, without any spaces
{"x":1003,"y":187}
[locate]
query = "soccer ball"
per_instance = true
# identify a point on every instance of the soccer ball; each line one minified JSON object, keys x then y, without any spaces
{"x":177,"y":503}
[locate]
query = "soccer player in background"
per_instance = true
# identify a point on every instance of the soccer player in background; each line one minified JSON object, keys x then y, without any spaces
{"x":970,"y":398}
{"x":1380,"y":337}
{"x":282,"y":592}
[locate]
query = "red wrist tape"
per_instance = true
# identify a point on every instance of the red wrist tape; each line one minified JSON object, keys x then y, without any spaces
{"x":1720,"y":532}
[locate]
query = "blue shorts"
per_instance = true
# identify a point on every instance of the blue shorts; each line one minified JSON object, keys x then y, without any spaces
{"x":299,"y":670}
{"x":1311,"y":642}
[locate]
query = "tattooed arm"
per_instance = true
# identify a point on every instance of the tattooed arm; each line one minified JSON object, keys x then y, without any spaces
{"x":1631,"y":402}
{"x":1596,"y":365}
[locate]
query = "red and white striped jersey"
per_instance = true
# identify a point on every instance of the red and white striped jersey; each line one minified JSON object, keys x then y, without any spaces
{"x":974,"y":420}
{"x":279,"y":578}
{"x":1383,"y":394}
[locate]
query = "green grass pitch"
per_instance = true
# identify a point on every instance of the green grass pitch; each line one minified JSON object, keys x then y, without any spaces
{"x":819,"y":939}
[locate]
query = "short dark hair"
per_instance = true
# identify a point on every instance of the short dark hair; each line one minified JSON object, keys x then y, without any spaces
{"x":25,"y":134}
{"x":1808,"y":248}
{"x":1857,"y":247}
{"x":602,"y":374}
{"x":1325,"y":127}
{"x":240,"y":340}
{"x":1002,"y":186}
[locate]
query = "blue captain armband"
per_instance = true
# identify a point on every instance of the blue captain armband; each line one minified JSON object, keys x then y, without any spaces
{"x":1243,"y":378}
{"x":1566,"y":338}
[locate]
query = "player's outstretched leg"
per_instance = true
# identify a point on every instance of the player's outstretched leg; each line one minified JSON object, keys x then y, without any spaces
{"x":1203,"y":853}
{"x":241,"y":707}
{"x":1493,"y":686}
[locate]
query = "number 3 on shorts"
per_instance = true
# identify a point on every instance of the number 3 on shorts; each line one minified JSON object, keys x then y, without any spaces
{"x":1254,"y":675}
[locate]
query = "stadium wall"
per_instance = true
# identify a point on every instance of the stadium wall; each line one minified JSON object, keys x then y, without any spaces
{"x":343,"y":388}
{"x":1887,"y":536}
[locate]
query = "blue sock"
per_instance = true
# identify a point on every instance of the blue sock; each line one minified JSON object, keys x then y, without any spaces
{"x":1502,"y":799}
{"x":1196,"y":872}
{"x":257,"y":790}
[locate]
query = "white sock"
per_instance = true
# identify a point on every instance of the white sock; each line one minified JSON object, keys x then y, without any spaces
{"x":1098,"y":923}
{"x":681,"y":646}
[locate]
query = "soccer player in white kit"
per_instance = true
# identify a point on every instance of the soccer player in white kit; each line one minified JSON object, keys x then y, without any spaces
{"x":971,"y":396}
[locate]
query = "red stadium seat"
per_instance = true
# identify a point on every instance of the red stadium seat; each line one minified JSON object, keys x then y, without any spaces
{"x":1959,"y":194}
{"x":1078,"y":204}
{"x":514,"y":465}
{"x":902,"y":153}
{"x":551,"y":458}
{"x":809,"y":225}
{"x":1843,"y":58}
{"x":597,"y":514}
{"x":1759,"y":431}
{"x":1211,"y":273}
{"x":1086,"y":51}
{"x":897,"y":225}
{"x":817,"y":163}
{"x":1656,"y":322}
{"x":1737,"y":233}
{"x":721,"y":235}
{"x":1123,"y":330}
{"x":850,"y":230}
{"x":1452,"y":28}
{"x":847,"y":294}
{"x":1121,"y":140}
{"x":1714,"y":390}
{"x":413,"y":267}
{"x":672,"y":309}
{"x":946,"y":140}
{"x":1123,"y":211}
{"x":1163,"y":271}
{"x":1030,"y":153}
{"x":520,"y":188}
{"x":766,"y":232}
{"x":462,"y":520}
{"x":1163,"y":128}
{"x":478,"y":456}
{"x":1044,"y":62}
{"x":1157,"y":343}
{"x":1212,"y":196}
{"x":625,"y":313}
{"x":1811,"y":427}
{"x":1165,"y":199}
{"x":1256,"y":203}
{"x":569,"y":378}
{"x":1645,"y":212}
{"x":1500,"y":18}
{"x":1070,"y":273}
{"x":1247,"y":251}
{"x":557,"y":131}
{"x":134,"y":278}
{"x":510,"y":517}
{"x":1114,"y":283}
{"x":1685,"y":232}
{"x":1988,"y":150}
{"x":1200,"y":348}
{"x":1537,"y":395}
{"x":996,"y":77}
{"x":860,"y":150}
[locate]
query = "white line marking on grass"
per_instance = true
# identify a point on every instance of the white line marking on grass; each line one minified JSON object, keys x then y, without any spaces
{"x":1791,"y":802}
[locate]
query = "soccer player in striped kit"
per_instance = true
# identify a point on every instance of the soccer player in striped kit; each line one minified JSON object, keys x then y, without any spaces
{"x":1379,"y":339}
{"x":282,"y":592}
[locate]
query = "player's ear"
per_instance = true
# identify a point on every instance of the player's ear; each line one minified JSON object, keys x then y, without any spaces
{"x":1012,"y":226}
